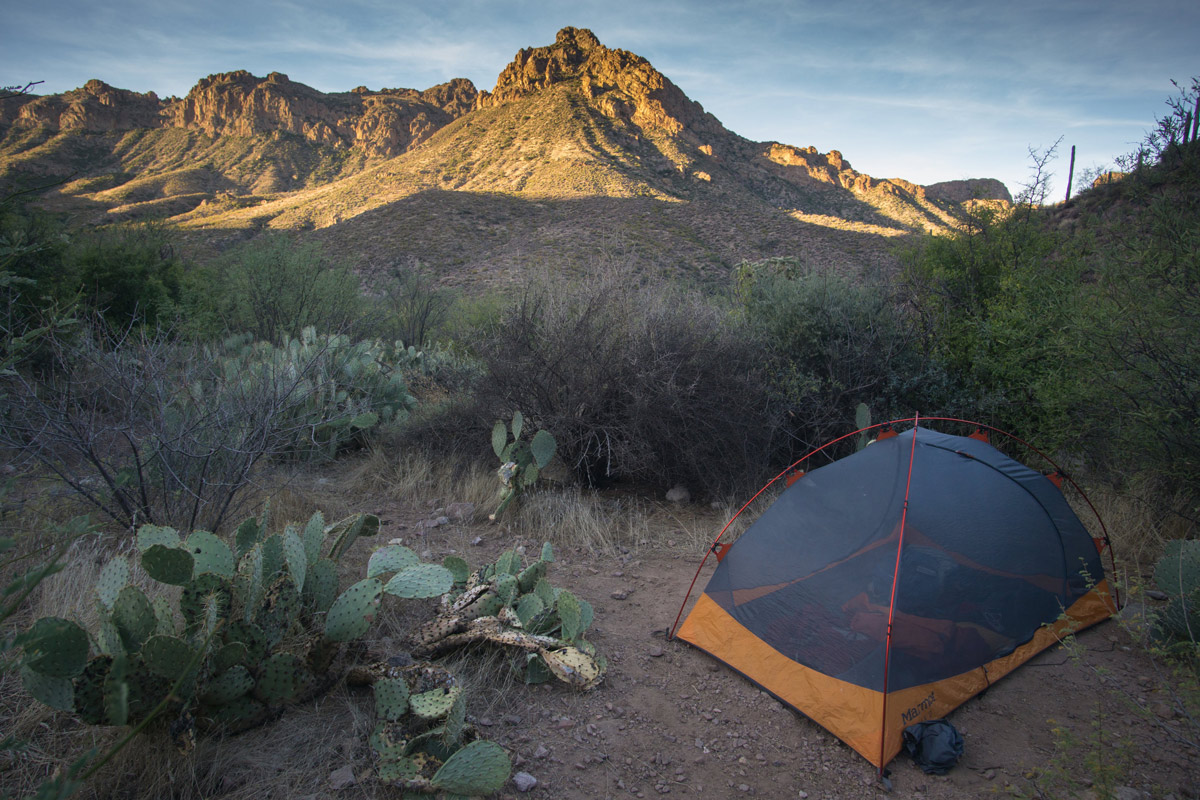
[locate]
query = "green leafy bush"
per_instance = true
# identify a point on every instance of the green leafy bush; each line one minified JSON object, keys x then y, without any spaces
{"x":274,"y":287}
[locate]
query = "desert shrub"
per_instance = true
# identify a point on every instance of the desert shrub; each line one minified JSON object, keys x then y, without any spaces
{"x":1140,"y":326}
{"x":830,"y":344}
{"x":128,"y":273}
{"x":413,"y":308}
{"x":274,"y":287}
{"x":147,"y":428}
{"x":999,"y":305}
{"x":639,"y":383}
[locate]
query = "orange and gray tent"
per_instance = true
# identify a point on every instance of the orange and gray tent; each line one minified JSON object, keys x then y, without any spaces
{"x":888,"y":587}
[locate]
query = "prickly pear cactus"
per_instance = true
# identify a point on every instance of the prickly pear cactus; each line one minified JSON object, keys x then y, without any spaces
{"x":513,"y":605}
{"x":1177,"y":575}
{"x":521,"y":461}
{"x":257,"y":625}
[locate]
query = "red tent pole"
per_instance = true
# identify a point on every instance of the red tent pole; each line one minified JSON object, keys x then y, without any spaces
{"x":887,"y":648}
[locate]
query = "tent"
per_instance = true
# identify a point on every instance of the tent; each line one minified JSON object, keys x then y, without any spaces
{"x":888,"y":587}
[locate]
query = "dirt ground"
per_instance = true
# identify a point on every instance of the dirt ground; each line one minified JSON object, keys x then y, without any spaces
{"x":669,"y":719}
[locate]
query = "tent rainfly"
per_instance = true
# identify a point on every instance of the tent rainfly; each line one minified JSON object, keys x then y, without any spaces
{"x":890,"y":586}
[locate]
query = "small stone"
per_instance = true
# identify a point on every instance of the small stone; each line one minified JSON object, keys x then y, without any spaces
{"x":679,"y":494}
{"x":564,"y":723}
{"x":803,"y":795}
{"x":511,"y":719}
{"x":524,"y":781}
{"x":989,"y":774}
{"x":342,"y":778}
{"x":478,"y":540}
{"x":619,"y":595}
{"x":743,"y":787}
{"x":655,"y":651}
{"x":485,"y":722}
{"x":460,"y":511}
{"x":541,"y":751}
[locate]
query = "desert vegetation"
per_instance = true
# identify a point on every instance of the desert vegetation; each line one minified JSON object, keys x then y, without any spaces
{"x":157,"y":412}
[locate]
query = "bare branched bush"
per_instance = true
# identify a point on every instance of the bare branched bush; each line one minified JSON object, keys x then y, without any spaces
{"x":638,"y":383}
{"x":151,"y":430}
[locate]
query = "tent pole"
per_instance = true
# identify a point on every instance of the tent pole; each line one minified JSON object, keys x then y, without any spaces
{"x":887,"y":648}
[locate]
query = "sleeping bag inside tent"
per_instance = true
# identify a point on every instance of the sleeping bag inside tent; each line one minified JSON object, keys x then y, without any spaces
{"x":890,"y":586}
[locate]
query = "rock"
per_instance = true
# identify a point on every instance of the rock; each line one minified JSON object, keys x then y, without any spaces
{"x":620,"y":594}
{"x":541,"y":751}
{"x":969,"y":189}
{"x":460,"y":512}
{"x":1129,"y":793}
{"x":679,"y":494}
{"x":655,"y":651}
{"x":524,"y":781}
{"x":478,"y":540}
{"x":342,"y":778}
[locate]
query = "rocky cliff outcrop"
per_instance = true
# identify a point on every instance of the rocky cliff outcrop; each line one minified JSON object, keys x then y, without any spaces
{"x":967,"y":190}
{"x":383,"y":123}
{"x":621,"y":84}
{"x":95,"y":106}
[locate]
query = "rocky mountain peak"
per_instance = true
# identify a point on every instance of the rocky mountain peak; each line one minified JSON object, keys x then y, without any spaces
{"x":621,"y":84}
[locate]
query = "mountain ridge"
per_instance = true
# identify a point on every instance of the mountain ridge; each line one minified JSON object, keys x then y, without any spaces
{"x":570,"y":121}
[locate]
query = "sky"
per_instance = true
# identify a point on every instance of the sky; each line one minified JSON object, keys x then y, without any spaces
{"x":926,"y":90}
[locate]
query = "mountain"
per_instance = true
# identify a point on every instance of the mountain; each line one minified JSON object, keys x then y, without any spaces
{"x":580,"y":153}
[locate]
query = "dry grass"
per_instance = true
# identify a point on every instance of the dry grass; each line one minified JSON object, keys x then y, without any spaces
{"x":1140,"y":520}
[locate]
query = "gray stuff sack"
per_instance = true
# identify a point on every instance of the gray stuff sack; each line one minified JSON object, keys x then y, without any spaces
{"x":935,"y":745}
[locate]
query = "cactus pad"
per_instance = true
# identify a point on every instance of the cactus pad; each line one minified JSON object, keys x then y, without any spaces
{"x":56,"y":648}
{"x":389,"y":740}
{"x":391,"y":558}
{"x":89,"y":690}
{"x":295,"y":556}
{"x":134,"y":616}
{"x":248,"y":583}
{"x":352,"y":613}
{"x":572,"y":666}
{"x":545,"y":590}
{"x":529,"y":576}
{"x":528,"y":607}
{"x":168,"y":657}
{"x":231,"y":684}
{"x":391,"y":698}
{"x":280,"y":608}
{"x":251,"y":637}
{"x":55,"y":692}
{"x":1178,"y":571}
{"x":320,"y":587}
{"x":272,"y":557}
{"x":197,"y":591}
{"x":508,"y":563}
{"x":506,"y":588}
{"x":421,"y":580}
{"x":210,"y":554}
{"x":229,"y":656}
{"x":164,"y":618}
{"x":459,"y":568}
{"x":536,"y":670}
{"x":399,"y":769}
{"x":433,"y":704}
{"x":499,"y":439}
{"x":480,"y":768}
{"x":247,"y":535}
{"x":313,"y":536}
{"x":345,"y":531}
{"x":150,"y":535}
{"x":456,"y":720}
{"x":282,"y":679}
{"x":547,"y":553}
{"x":116,"y":693}
{"x":112,"y":579}
{"x":542,"y":448}
{"x":170,"y":565}
{"x":571,"y":615}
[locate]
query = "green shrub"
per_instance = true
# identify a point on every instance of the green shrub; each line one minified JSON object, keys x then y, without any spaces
{"x":274,"y":287}
{"x":831,"y":344}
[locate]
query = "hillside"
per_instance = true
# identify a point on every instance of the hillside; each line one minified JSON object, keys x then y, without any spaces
{"x":579,"y":153}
